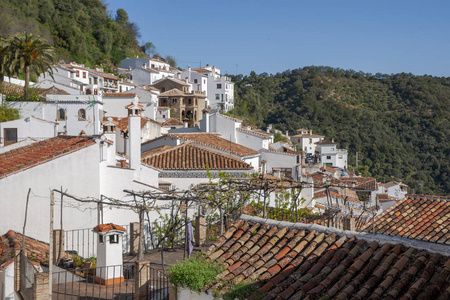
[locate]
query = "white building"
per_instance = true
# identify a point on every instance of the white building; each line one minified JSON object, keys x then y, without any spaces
{"x":394,"y":190}
{"x":306,"y":140}
{"x":75,"y":114}
{"x":198,"y":80}
{"x":85,"y":167}
{"x":30,"y":127}
{"x":329,"y":155}
{"x":220,"y":91}
{"x":187,"y":164}
{"x":209,"y":141}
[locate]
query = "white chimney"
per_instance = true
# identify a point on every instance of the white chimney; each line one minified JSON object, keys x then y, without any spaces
{"x":134,"y":134}
{"x":205,"y":120}
{"x":109,"y":253}
{"x":109,"y":136}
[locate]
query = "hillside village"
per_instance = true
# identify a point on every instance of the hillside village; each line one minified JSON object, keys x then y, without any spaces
{"x":151,"y":132}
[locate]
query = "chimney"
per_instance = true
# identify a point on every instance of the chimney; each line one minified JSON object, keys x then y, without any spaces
{"x":205,"y":120}
{"x":134,"y":133}
{"x":310,"y":132}
{"x":109,"y":134}
{"x":287,"y":133}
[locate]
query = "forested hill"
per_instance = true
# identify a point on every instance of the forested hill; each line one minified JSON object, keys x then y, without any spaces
{"x":80,"y":30}
{"x":398,"y":124}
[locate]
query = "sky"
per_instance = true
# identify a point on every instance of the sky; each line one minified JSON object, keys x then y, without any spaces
{"x":240,"y":36}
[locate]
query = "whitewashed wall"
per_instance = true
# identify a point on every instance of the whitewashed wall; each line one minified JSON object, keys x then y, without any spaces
{"x":76,"y":173}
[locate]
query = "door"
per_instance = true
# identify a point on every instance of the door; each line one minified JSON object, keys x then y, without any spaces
{"x":10,"y":135}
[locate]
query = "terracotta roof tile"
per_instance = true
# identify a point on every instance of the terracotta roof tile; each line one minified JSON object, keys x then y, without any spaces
{"x":117,"y":95}
{"x":40,"y":152}
{"x":108,"y":227}
{"x":11,"y":241}
{"x":191,"y":157}
{"x":290,"y":263}
{"x":416,"y":217}
{"x":215,"y":141}
{"x":257,"y":132}
{"x":172,"y":122}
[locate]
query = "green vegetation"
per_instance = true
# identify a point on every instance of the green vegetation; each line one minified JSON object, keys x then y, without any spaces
{"x":81,"y":30}
{"x":27,"y":54}
{"x":242,"y":290}
{"x":194,"y":273}
{"x":398,"y":124}
{"x":8,"y":113}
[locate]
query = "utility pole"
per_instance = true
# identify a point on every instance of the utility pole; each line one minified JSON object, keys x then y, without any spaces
{"x":141,"y":234}
{"x":50,"y":255}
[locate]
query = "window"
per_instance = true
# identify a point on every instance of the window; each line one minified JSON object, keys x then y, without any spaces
{"x":219,"y":86}
{"x":189,"y":101}
{"x":84,"y":74}
{"x":222,"y":97}
{"x":174,"y":101}
{"x":77,"y":74}
{"x":328,"y":157}
{"x":82,"y":115}
{"x":114,"y":239}
{"x":195,"y":80}
{"x":339,"y":156}
{"x":62,"y":114}
{"x":101,"y":239}
{"x":217,"y":96}
{"x":310,"y":141}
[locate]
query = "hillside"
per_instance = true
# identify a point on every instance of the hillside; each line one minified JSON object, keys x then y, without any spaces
{"x":80,"y":30}
{"x":398,"y":124}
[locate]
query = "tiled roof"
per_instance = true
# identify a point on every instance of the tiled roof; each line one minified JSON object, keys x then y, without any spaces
{"x":11,"y":89}
{"x":12,"y":241}
{"x":203,"y":70}
{"x":172,"y":92}
{"x":257,"y":132}
{"x":335,"y":193}
{"x":104,"y":75}
{"x":190,"y":157}
{"x":172,"y":122}
{"x":108,"y":227}
{"x":123,"y":123}
{"x":416,"y":217}
{"x":306,"y":135}
{"x":53,"y":91}
{"x":176,"y":80}
{"x":302,"y":261}
{"x":40,"y":152}
{"x":215,"y":141}
{"x":122,"y":95}
{"x":151,"y":70}
{"x":154,"y":151}
{"x":360,"y":183}
{"x":393,"y":183}
{"x":325,"y":142}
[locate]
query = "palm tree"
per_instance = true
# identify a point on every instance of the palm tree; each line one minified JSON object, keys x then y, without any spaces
{"x":29,"y":54}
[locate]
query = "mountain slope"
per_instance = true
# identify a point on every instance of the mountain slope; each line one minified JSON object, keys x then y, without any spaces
{"x":398,"y":124}
{"x":81,"y":30}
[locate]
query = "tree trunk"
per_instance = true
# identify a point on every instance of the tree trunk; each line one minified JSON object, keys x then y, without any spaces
{"x":27,"y":82}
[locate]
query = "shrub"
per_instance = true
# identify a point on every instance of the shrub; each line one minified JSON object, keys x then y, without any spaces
{"x":194,"y":273}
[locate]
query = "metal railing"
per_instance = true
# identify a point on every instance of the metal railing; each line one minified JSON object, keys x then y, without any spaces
{"x":84,"y":241}
{"x":111,"y":282}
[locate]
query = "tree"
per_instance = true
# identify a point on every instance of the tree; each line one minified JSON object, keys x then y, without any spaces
{"x":121,"y":16}
{"x":171,"y":61}
{"x":149,"y":48}
{"x":29,"y":54}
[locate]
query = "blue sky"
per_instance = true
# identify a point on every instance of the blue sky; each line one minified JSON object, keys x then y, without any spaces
{"x":273,"y":36}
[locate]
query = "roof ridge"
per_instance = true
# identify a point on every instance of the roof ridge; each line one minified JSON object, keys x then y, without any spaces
{"x":368,"y":237}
